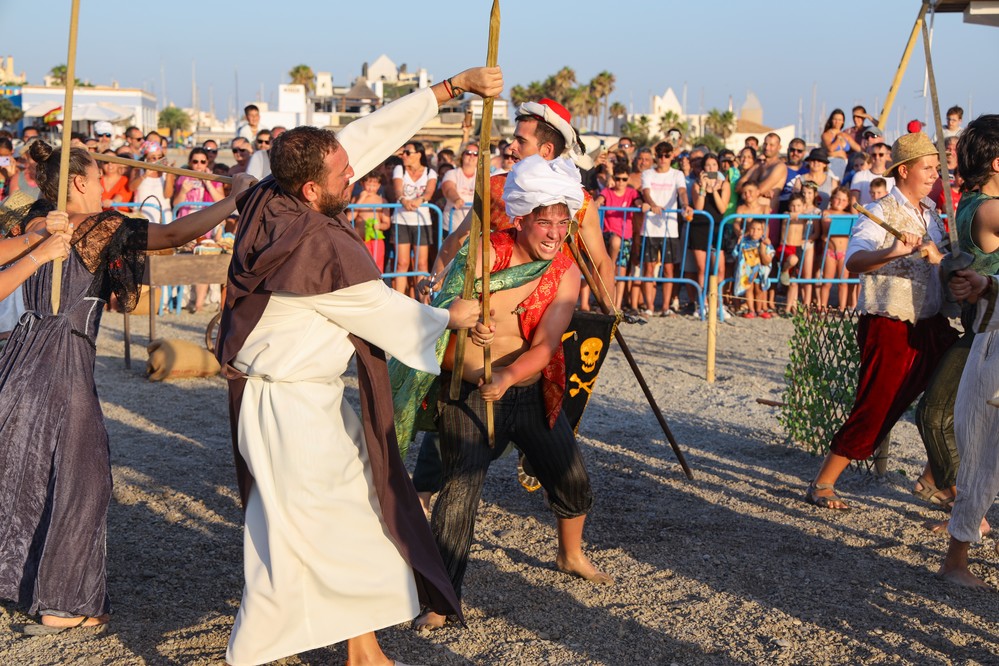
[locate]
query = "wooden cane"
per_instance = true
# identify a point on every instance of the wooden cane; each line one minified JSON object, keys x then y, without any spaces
{"x":884,"y":225}
{"x":152,"y":166}
{"x":574,"y":248}
{"x":481,"y":207}
{"x":67,"y":135}
{"x":479,"y":233}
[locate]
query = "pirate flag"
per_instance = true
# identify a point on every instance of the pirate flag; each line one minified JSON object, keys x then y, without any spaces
{"x":584,"y":344}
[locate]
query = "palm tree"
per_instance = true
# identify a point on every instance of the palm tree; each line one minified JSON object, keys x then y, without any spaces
{"x":302,"y":75}
{"x":602,"y":85}
{"x":720,"y":123}
{"x":518,"y":95}
{"x":616,"y":110}
{"x":560,"y":83}
{"x":9,"y":114}
{"x":176,"y":120}
{"x":671,"y":119}
{"x":58,"y":74}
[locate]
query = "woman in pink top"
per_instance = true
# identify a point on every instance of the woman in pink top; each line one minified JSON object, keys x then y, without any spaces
{"x":617,"y":226}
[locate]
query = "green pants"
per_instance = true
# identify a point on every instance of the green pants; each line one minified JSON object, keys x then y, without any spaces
{"x":935,"y":413}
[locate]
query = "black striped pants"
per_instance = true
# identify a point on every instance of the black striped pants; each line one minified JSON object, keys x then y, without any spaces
{"x":466,"y":455}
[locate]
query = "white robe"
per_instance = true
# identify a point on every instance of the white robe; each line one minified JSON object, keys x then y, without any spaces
{"x":319,"y":565}
{"x":976,"y":425}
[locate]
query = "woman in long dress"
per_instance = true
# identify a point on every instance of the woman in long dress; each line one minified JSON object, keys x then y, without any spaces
{"x":55,"y":470}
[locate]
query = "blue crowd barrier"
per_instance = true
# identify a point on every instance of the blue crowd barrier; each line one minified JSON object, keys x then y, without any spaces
{"x":841,"y":225}
{"x":395,"y":234}
{"x":678,"y":279}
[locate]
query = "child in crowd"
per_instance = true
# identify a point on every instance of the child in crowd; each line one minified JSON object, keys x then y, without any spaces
{"x":810,"y":193}
{"x":617,"y":226}
{"x":663,"y":188}
{"x":376,"y":220}
{"x":754,"y":255}
{"x":835,"y":259}
{"x":750,"y":204}
{"x":796,"y":252}
{"x":879,"y":188}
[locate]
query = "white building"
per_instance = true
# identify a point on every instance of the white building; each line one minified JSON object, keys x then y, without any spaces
{"x":125,"y":106}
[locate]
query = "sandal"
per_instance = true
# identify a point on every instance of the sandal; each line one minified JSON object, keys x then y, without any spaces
{"x":824,"y":501}
{"x":929,"y":493}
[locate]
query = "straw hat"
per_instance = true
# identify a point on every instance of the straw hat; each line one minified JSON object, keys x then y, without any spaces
{"x":908,"y":148}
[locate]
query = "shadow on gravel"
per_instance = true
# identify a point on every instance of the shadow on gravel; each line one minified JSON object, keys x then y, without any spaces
{"x":742,"y":529}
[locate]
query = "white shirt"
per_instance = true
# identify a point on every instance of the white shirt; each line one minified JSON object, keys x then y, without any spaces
{"x":259,"y":165}
{"x":466,"y":191}
{"x":862,"y":184}
{"x":664,"y":189}
{"x":411,"y":189}
{"x":867,"y":235}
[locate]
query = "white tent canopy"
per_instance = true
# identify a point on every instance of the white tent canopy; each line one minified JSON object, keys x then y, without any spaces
{"x":92,"y":112}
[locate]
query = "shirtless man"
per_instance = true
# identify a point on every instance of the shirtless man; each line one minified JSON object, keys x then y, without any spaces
{"x":528,"y":378}
{"x":542,"y":129}
{"x":769,"y":174}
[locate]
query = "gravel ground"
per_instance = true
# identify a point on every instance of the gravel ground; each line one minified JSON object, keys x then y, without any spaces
{"x":731,"y":568}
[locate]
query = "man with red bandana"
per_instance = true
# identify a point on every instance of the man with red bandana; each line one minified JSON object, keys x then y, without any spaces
{"x":543,"y":128}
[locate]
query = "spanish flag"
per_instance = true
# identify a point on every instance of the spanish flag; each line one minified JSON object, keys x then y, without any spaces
{"x":53,"y":117}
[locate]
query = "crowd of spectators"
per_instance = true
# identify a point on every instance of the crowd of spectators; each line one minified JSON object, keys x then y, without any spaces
{"x":671,"y":212}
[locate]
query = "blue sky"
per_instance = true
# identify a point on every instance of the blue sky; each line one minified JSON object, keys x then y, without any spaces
{"x":778,"y":49}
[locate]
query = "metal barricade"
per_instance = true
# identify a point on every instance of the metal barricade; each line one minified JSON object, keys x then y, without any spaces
{"x":395,"y":234}
{"x":841,"y":225}
{"x":189,"y":205}
{"x":134,"y":206}
{"x":450,"y":218}
{"x":701,"y":290}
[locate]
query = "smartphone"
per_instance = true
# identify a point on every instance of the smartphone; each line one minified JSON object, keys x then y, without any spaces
{"x":5,"y":161}
{"x":711,"y":175}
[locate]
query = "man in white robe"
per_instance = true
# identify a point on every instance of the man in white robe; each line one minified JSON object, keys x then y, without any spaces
{"x":335,"y":543}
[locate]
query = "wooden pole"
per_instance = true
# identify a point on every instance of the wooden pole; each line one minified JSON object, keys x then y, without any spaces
{"x":592,"y":283}
{"x":712,"y":326}
{"x":481,"y":207}
{"x":955,"y":244}
{"x":900,"y":72}
{"x":67,"y":133}
{"x":152,"y":166}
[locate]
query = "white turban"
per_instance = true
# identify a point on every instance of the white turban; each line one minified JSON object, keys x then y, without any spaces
{"x":534,"y":181}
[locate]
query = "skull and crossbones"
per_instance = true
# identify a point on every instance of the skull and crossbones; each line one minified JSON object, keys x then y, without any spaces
{"x":580,"y":385}
{"x":589,"y":353}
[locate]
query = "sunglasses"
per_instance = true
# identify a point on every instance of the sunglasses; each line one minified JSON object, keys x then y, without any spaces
{"x":263,"y":142}
{"x":626,"y":146}
{"x":199,"y":161}
{"x":108,"y":135}
{"x":622,"y":179}
{"x":211,"y":150}
{"x":795,"y":150}
{"x":473,"y":153}
{"x":408,"y":152}
{"x":240,"y":150}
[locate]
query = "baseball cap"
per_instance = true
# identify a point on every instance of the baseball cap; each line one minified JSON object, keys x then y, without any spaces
{"x":915,"y":126}
{"x":872,"y":130}
{"x":103,"y":127}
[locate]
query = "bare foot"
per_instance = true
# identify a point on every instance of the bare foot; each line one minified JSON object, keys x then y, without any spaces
{"x":56,"y":621}
{"x":941,"y":526}
{"x":961,"y":576}
{"x":429,"y":621}
{"x":583,"y":568}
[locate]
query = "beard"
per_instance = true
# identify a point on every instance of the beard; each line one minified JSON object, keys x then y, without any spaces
{"x":331,"y":205}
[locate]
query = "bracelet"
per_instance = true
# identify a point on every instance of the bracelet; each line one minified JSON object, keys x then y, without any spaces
{"x":32,"y":257}
{"x":447,"y":88}
{"x":455,"y":90}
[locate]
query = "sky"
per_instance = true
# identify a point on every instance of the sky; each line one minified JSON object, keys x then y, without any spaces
{"x":846,"y":51}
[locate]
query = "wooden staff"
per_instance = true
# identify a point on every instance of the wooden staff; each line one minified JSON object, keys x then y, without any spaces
{"x":884,"y":225}
{"x":479,"y":233}
{"x":572,"y":242}
{"x":67,"y":135}
{"x":152,"y":166}
{"x":900,"y":72}
{"x":955,"y":243}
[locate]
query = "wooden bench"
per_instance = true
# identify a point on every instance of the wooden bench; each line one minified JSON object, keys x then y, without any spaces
{"x":172,"y":269}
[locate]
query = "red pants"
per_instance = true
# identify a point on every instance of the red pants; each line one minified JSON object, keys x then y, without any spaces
{"x":897,"y":360}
